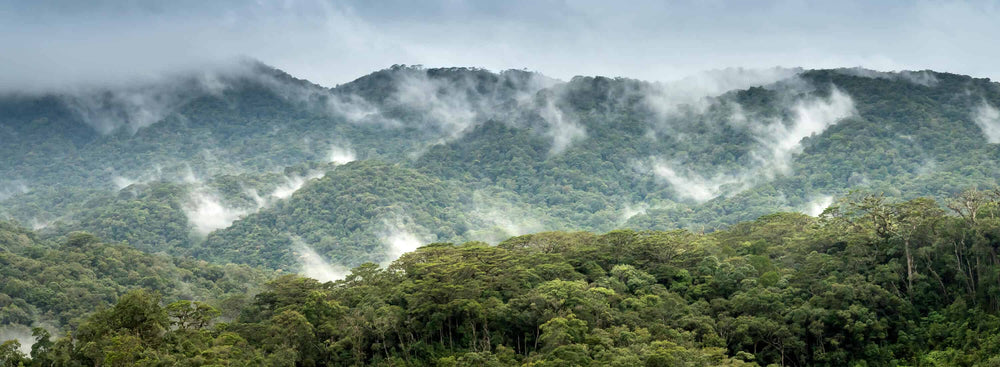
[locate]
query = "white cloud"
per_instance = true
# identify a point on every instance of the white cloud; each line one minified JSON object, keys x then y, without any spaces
{"x":777,"y":143}
{"x":817,"y":205}
{"x":122,"y":182}
{"x":691,"y":185}
{"x":398,"y":239}
{"x":667,"y":98}
{"x":987,"y":118}
{"x":20,"y":333}
{"x":314,"y":266}
{"x":782,"y":140}
{"x":494,"y":218}
{"x":563,"y":130}
{"x":631,"y":210}
{"x":341,"y":155}
{"x":9,"y":189}
{"x":206,"y":212}
{"x":292,"y":184}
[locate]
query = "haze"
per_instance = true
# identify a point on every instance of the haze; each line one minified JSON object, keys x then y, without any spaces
{"x":57,"y":44}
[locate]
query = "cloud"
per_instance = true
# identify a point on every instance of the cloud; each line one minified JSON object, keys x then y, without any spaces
{"x":781,"y":140}
{"x":631,"y":210}
{"x":341,"y":155}
{"x":292,"y":184}
{"x":112,"y":105}
{"x":206,"y":212}
{"x":669,"y":98}
{"x":924,"y":78}
{"x":444,"y":104}
{"x":122,"y":182}
{"x":20,"y":333}
{"x":817,"y":205}
{"x":561,"y":128}
{"x":313,"y":265}
{"x":691,"y":185}
{"x":9,"y":189}
{"x":53,"y":42}
{"x":398,"y":239}
{"x":987,"y":118}
{"x":776,"y":142}
{"x":494,"y":217}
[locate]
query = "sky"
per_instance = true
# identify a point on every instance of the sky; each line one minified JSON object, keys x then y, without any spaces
{"x":50,"y":44}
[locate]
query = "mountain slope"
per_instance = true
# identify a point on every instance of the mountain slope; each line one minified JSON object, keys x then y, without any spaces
{"x":475,"y":155}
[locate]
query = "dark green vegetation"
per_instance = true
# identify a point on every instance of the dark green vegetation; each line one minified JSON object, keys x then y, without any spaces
{"x":56,"y":283}
{"x":502,"y":154}
{"x":178,"y":181}
{"x":869,"y":283}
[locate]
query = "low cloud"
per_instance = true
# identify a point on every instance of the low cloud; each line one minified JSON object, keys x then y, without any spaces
{"x":563,"y":130}
{"x":691,"y":185}
{"x":987,"y":118}
{"x":9,"y":189}
{"x":924,"y":78}
{"x":631,"y":210}
{"x":313,"y":265}
{"x":781,"y":140}
{"x":776,"y":142}
{"x":495,"y":218}
{"x":207,"y":212}
{"x":341,"y":155}
{"x":398,"y":239}
{"x":690,"y":93}
{"x":817,"y":205}
{"x":20,"y":333}
{"x":122,"y":182}
{"x":293,"y":184}
{"x":136,"y":105}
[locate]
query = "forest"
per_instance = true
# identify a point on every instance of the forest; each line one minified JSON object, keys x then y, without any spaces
{"x":459,"y":216}
{"x":871,"y":281}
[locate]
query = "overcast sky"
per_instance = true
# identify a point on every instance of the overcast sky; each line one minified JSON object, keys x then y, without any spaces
{"x":48,"y":44}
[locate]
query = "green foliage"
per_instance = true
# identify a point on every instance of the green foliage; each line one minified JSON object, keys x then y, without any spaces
{"x":872,"y":282}
{"x":56,"y":282}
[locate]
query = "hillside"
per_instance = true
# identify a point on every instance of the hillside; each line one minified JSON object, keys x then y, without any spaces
{"x":872,"y":282}
{"x":210,"y":165}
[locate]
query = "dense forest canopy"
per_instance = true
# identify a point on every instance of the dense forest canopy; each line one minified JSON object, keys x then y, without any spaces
{"x":870,"y":282}
{"x":451,"y":216}
{"x":201,"y":165}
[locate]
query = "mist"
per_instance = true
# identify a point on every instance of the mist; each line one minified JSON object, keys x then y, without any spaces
{"x":987,"y":118}
{"x":562,"y":129}
{"x":670,"y":98}
{"x":781,"y":140}
{"x":776,"y":141}
{"x":688,"y":184}
{"x":20,"y":333}
{"x":398,"y":239}
{"x":110,"y":105}
{"x":9,"y":189}
{"x":206,"y":212}
{"x":495,"y":217}
{"x":817,"y":205}
{"x":922,"y":78}
{"x":313,"y":265}
{"x":341,"y":155}
{"x":292,"y":184}
{"x":50,"y":44}
{"x":631,"y":210}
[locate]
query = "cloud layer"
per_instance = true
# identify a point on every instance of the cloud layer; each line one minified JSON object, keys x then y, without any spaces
{"x":51,"y":42}
{"x":987,"y":118}
{"x":776,"y":142}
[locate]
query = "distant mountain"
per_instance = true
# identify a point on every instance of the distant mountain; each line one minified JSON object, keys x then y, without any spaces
{"x":248,"y":163}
